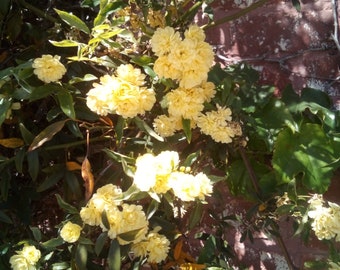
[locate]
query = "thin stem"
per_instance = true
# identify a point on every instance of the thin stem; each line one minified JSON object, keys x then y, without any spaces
{"x":250,"y":171}
{"x":37,"y":11}
{"x":285,"y":253}
{"x":236,"y":15}
{"x":72,"y":144}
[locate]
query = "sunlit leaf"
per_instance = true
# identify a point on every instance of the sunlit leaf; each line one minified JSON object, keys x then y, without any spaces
{"x":145,"y":127}
{"x":65,"y":43}
{"x":5,"y":105}
{"x":86,"y":78}
{"x":308,"y":152}
{"x":46,"y":135}
{"x":73,"y":21}
{"x":12,"y":142}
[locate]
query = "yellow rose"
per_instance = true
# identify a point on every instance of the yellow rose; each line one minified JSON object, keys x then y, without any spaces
{"x":31,"y":254}
{"x":70,"y":232}
{"x":25,"y":259}
{"x":48,"y":68}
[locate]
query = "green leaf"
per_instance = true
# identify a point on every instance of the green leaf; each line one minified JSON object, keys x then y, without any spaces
{"x":33,"y":164}
{"x":66,"y":103}
{"x":146,"y":128}
{"x":107,"y":7}
{"x":153,"y":207}
{"x":65,"y":206}
{"x":65,"y":43}
{"x":316,"y":96}
{"x":119,"y":128}
{"x":190,"y":159}
{"x":36,"y":233}
{"x":26,"y":134}
{"x":130,"y":235}
{"x":19,"y":159}
{"x":81,"y":256}
{"x":297,"y":5}
{"x":186,"y":123}
{"x":86,"y":78}
{"x":44,"y":91}
{"x":114,"y":258}
{"x":53,"y":243}
{"x":5,"y":104}
{"x":46,"y":135}
{"x":308,"y":152}
{"x":100,"y":243}
{"x":195,"y":215}
{"x":50,"y":181}
{"x":73,"y":21}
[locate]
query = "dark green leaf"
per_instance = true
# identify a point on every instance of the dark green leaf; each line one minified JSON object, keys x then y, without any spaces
{"x":114,"y":258}
{"x":66,"y":103}
{"x":53,"y":243}
{"x":19,"y":159}
{"x":73,"y":21}
{"x":36,"y":233}
{"x":316,"y":96}
{"x":46,"y":135}
{"x":81,"y":256}
{"x":119,"y":128}
{"x":65,"y":206}
{"x":100,"y":243}
{"x":186,"y":123}
{"x":5,"y":218}
{"x":33,"y":164}
{"x":50,"y":181}
{"x":195,"y":215}
{"x":44,"y":91}
{"x":26,"y":134}
{"x":297,"y":5}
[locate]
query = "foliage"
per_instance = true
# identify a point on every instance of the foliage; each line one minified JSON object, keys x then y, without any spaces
{"x":55,"y":150}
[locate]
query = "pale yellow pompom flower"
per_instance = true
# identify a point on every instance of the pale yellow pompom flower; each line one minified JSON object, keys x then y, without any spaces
{"x":218,"y":125}
{"x":158,"y":247}
{"x":145,"y":174}
{"x":194,"y":32}
{"x":19,"y":262}
{"x":130,"y":74}
{"x":164,"y":39}
{"x":70,"y":232}
{"x":91,"y":215}
{"x":185,"y":103}
{"x":31,"y":253}
{"x":48,"y":68}
{"x":166,"y":126}
{"x":186,"y":187}
{"x":164,"y":68}
{"x":133,"y":219}
{"x":25,"y":259}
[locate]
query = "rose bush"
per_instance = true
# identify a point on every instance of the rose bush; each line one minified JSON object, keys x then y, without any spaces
{"x":127,"y":121}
